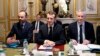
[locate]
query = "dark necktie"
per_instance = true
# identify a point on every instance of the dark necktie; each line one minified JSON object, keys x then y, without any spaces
{"x":50,"y":32}
{"x":81,"y":37}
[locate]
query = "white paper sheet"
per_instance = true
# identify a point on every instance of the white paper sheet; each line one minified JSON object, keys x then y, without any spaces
{"x":41,"y":53}
{"x":94,"y":46}
{"x":81,"y":47}
{"x":43,"y":47}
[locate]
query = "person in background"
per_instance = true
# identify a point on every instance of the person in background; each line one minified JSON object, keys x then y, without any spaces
{"x":98,"y":34}
{"x":37,"y":23}
{"x":51,"y":34}
{"x":22,"y":30}
{"x":81,"y":31}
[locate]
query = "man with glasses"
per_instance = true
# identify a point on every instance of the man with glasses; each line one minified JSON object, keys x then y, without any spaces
{"x":22,"y":30}
{"x":81,"y":31}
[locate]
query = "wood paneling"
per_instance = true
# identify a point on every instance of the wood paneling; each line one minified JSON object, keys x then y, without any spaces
{"x":2,"y":32}
{"x":2,"y":9}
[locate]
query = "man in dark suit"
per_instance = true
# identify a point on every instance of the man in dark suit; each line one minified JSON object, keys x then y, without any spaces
{"x":81,"y":31}
{"x":51,"y":34}
{"x":37,"y":23}
{"x":22,"y":30}
{"x":98,"y":34}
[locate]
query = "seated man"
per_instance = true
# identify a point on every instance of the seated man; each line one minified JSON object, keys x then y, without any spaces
{"x":81,"y":31}
{"x":51,"y":34}
{"x":98,"y":35}
{"x":37,"y":23}
{"x":21,"y":29}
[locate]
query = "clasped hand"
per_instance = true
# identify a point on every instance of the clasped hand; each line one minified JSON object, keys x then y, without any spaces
{"x":49,"y":43}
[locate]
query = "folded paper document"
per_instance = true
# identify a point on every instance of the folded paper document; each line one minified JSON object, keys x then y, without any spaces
{"x":81,"y":47}
{"x":45,"y":47}
{"x":93,"y":46}
{"x":89,"y":47}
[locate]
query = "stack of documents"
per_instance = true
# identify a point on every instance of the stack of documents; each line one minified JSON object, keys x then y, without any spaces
{"x":81,"y":47}
{"x":86,"y":47}
{"x":93,"y":46}
{"x":89,"y":47}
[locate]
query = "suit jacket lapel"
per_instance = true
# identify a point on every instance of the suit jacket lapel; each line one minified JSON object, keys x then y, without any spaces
{"x":76,"y":30}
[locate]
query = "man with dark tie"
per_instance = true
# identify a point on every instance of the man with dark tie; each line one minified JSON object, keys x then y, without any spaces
{"x":22,"y":30}
{"x":81,"y":31}
{"x":51,"y":34}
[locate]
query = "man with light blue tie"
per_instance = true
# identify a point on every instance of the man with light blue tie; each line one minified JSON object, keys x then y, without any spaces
{"x":37,"y":23}
{"x":22,"y":30}
{"x":81,"y":31}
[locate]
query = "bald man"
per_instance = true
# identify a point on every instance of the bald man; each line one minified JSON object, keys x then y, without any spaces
{"x":81,"y":31}
{"x":22,"y":30}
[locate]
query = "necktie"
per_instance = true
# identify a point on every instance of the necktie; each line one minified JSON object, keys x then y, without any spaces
{"x":81,"y":37}
{"x":22,"y":26}
{"x":50,"y":32}
{"x":36,"y":27}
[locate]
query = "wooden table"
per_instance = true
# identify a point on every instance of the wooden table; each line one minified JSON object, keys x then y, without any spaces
{"x":17,"y":51}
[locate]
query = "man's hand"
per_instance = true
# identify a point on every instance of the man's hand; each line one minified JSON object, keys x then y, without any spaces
{"x":85,"y":42}
{"x":74,"y":42}
{"x":49,"y":43}
{"x":11,"y":40}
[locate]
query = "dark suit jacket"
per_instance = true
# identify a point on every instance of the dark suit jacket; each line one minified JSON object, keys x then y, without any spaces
{"x":73,"y":31}
{"x":33,"y":24}
{"x":98,"y":34}
{"x":57,"y":35}
{"x":20,"y":33}
{"x":58,"y":22}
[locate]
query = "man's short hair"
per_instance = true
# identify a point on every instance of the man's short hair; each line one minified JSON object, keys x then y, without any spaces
{"x":25,"y":12}
{"x":51,"y":13}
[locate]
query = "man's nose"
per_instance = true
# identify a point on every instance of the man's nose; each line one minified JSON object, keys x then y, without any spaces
{"x":49,"y":19}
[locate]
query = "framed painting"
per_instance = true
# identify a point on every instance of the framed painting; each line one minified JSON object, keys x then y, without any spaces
{"x":91,"y":6}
